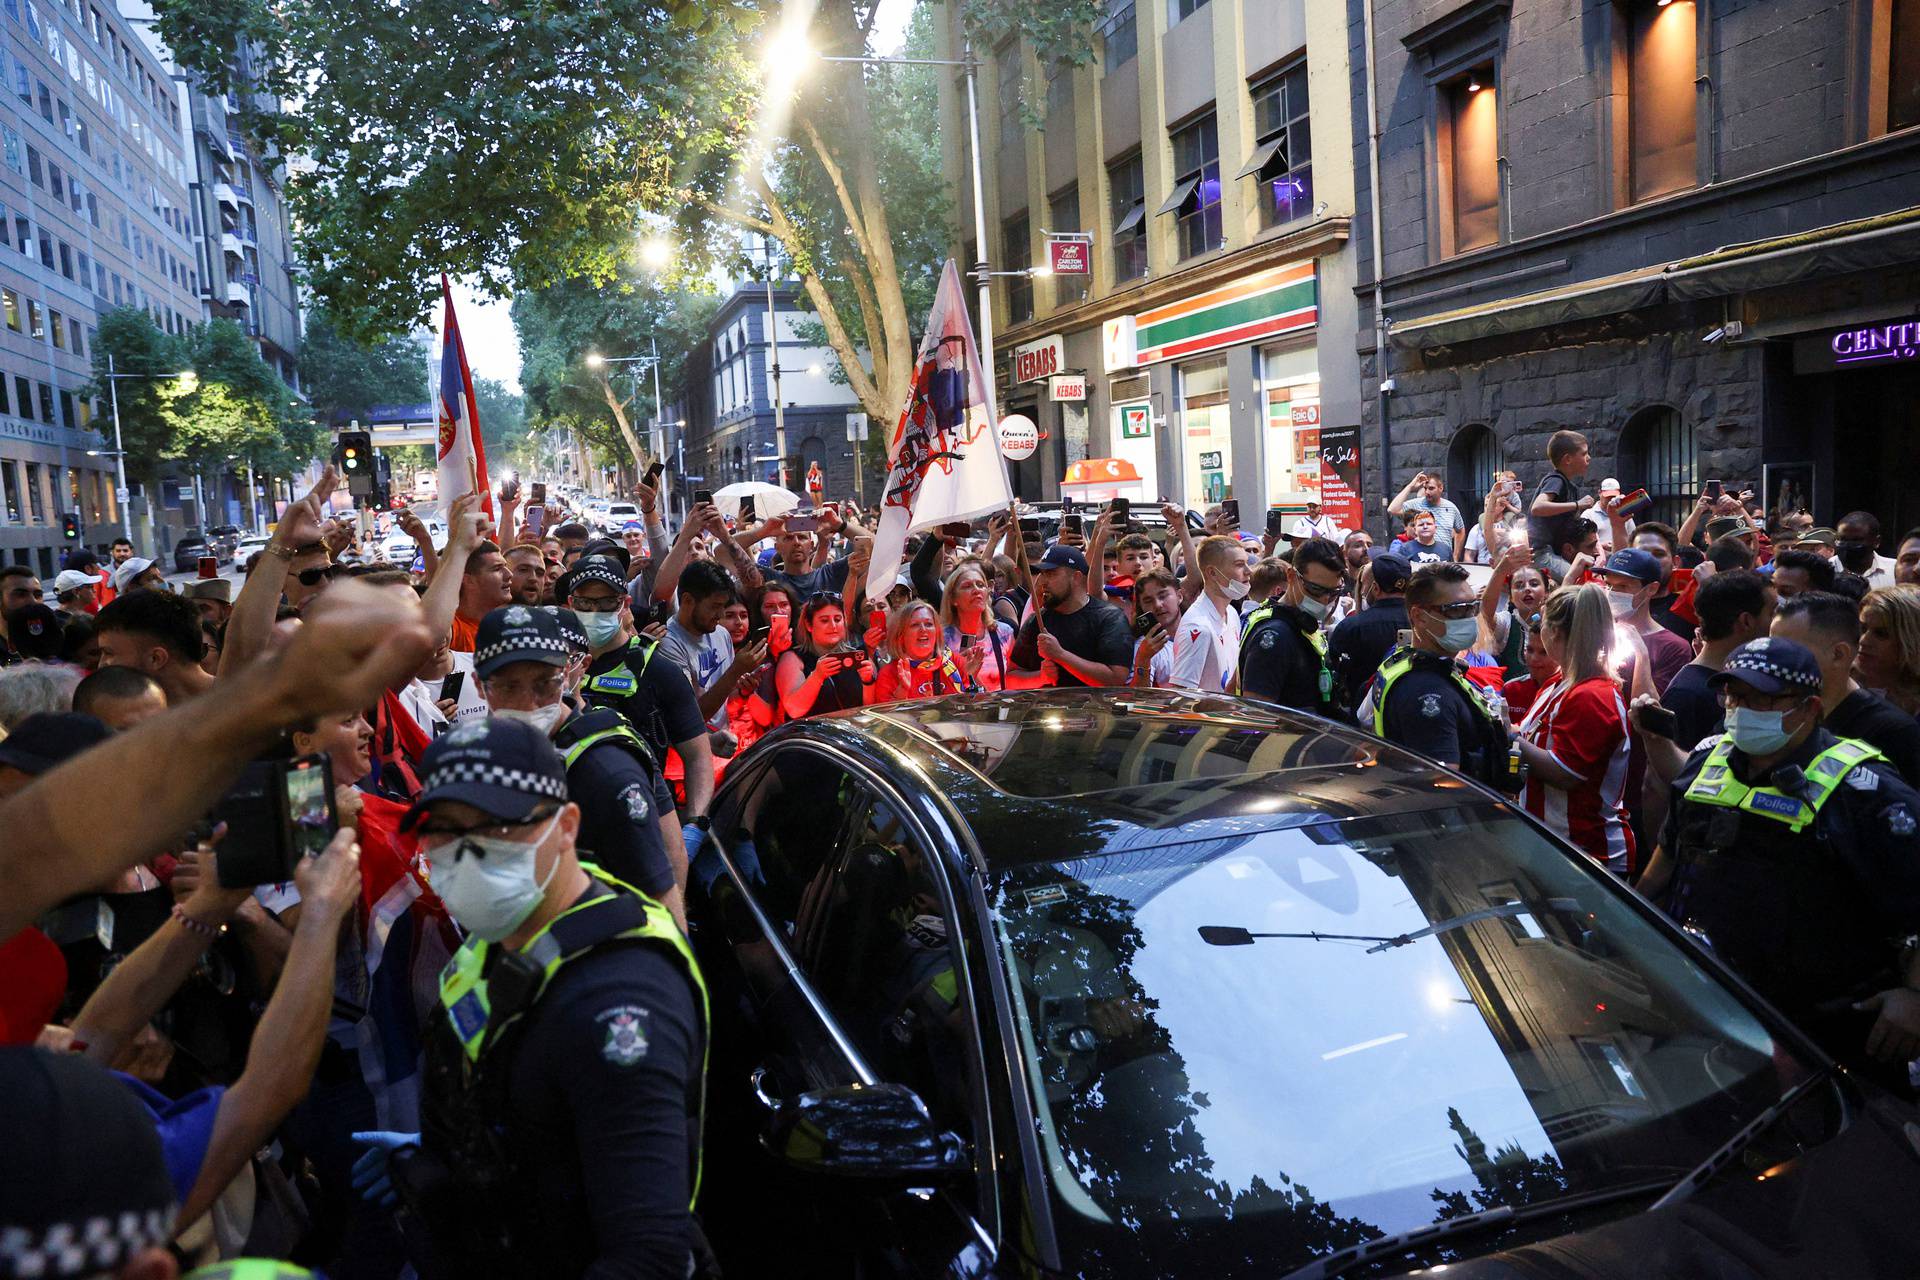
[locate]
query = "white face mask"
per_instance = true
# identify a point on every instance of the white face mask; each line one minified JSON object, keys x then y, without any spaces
{"x":487,"y":883}
{"x":1315,"y":609}
{"x":1622,"y":602}
{"x":1234,"y":589}
{"x":545,"y":719}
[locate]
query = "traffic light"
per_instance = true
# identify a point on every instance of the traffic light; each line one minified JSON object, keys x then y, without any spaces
{"x":355,"y":456}
{"x":382,"y":480}
{"x":69,"y":526}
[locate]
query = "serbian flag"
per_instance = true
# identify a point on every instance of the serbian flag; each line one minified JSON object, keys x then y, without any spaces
{"x":463,"y":458}
{"x":943,"y":459}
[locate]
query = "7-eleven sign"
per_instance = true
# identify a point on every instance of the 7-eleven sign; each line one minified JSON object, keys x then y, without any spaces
{"x":1136,"y":421}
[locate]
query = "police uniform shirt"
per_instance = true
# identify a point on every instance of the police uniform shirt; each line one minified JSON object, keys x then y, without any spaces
{"x":1868,"y":832}
{"x":1865,"y":715}
{"x":1426,"y":712}
{"x":1362,"y":642}
{"x":662,"y":705}
{"x":1279,"y":664}
{"x":601,"y":1094}
{"x":620,"y":817}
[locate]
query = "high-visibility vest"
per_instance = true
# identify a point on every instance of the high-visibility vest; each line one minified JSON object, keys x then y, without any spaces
{"x":1398,"y":664}
{"x":1316,"y":637}
{"x":1716,"y":783}
{"x":623,"y":681}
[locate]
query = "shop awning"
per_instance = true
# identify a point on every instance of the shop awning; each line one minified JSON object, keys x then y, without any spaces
{"x":1865,"y":245}
{"x":1181,"y":194}
{"x":1586,"y":300}
{"x":1262,"y":154}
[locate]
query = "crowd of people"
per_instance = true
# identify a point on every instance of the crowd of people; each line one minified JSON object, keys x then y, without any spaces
{"x":462,"y":1024}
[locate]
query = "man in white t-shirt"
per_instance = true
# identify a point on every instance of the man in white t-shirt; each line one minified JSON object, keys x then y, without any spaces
{"x":1206,"y":646}
{"x":1314,"y":525}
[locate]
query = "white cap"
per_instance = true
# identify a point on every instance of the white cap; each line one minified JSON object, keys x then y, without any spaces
{"x":73,"y":580}
{"x":1609,"y":485}
{"x":132,"y":568}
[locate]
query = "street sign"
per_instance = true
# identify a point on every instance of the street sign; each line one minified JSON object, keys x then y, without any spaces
{"x":1019,"y":437}
{"x":121,"y":497}
{"x":1070,"y":257}
{"x":856,"y":426}
{"x":1067,"y":386}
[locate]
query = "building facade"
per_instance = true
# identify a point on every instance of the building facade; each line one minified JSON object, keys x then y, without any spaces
{"x":1204,"y":160}
{"x":1687,"y":228}
{"x":97,"y":215}
{"x":727,"y":407}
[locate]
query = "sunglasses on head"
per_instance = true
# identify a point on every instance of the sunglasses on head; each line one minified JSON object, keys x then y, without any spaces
{"x":314,"y":577}
{"x":819,"y":598}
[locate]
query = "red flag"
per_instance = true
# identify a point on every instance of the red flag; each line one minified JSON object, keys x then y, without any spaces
{"x":462,"y":456}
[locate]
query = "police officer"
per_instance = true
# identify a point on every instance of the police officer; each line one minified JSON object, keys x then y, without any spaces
{"x":564,"y":1062}
{"x":520,"y":659}
{"x":626,"y":673}
{"x":1795,"y":855}
{"x":1283,"y":648}
{"x":1421,"y":700}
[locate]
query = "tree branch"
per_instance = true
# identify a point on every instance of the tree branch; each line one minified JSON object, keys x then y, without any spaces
{"x":872,"y":397}
{"x":619,"y":408}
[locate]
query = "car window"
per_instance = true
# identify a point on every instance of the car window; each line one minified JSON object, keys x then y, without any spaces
{"x":784,"y":827}
{"x":877,"y":946}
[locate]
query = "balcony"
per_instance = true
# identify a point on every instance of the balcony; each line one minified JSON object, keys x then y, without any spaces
{"x":237,"y":294}
{"x":230,"y":243}
{"x":224,"y":193}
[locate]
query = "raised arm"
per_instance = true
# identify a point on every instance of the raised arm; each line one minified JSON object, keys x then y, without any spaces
{"x":251,"y":623}
{"x":1399,"y":504}
{"x":667,"y":581}
{"x":739,"y":563}
{"x":1509,"y":562}
{"x":414,"y":527}
{"x":443,"y":596}
{"x":1702,"y":508}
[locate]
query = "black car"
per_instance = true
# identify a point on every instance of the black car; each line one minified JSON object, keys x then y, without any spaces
{"x":187,"y":551}
{"x":1146,"y":984}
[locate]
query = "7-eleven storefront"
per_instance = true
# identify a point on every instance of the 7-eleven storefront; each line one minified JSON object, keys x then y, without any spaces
{"x":1217,"y":395}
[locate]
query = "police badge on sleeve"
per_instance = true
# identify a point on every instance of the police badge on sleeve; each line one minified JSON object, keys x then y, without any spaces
{"x":626,"y":1041}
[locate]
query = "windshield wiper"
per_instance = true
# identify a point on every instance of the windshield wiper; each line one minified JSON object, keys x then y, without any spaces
{"x":1710,"y":1168}
{"x":1227,"y":935}
{"x":1500,"y":1215}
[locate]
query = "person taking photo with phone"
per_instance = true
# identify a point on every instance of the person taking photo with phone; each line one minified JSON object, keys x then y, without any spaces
{"x":824,"y":671}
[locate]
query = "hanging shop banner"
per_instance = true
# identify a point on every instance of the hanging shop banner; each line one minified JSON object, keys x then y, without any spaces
{"x":1136,"y":421}
{"x":1281,"y":300}
{"x":1340,"y":476}
{"x":1069,"y":257}
{"x":1117,"y":344}
{"x":1067,"y":386}
{"x":1041,"y":359}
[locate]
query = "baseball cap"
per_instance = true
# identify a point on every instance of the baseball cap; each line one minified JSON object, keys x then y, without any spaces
{"x":1728,"y":526}
{"x":1609,"y":485}
{"x":1821,"y":537}
{"x":48,"y":738}
{"x":35,"y":631}
{"x":133,"y":567}
{"x":1391,"y":572}
{"x":633,"y":526}
{"x":84,"y":1184}
{"x":516,"y":633}
{"x":220,"y":589}
{"x":504,"y":768}
{"x":1062,"y":556}
{"x":570,"y":629}
{"x":1631,"y":562}
{"x":1771,"y":665}
{"x":72,"y":580}
{"x":601,"y":569}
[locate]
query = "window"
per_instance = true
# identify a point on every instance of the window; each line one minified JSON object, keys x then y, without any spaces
{"x":1283,"y":157}
{"x":46,"y":251}
{"x":10,"y":480}
{"x":1178,"y":9}
{"x":23,"y":389}
{"x":66,"y":410}
{"x":1018,"y":255}
{"x":45,"y":97}
{"x":66,"y":259}
{"x":1469,"y":151}
{"x":1063,"y":216}
{"x":99,"y":279}
{"x":1903,"y":64}
{"x":46,"y":404}
{"x":66,"y":117}
{"x":10,"y":304}
{"x":14,"y":161}
{"x":23,"y":231}
{"x":4,"y":406}
{"x":57,"y":327}
{"x":1661,"y":69}
{"x":22,"y":82}
{"x":36,"y":320}
{"x":76,"y":335}
{"x":36,"y":504}
{"x":1471,"y":460}
{"x":1658,"y":451}
{"x":1195,"y":201}
{"x":1122,"y":35}
{"x":1127,"y":193}
{"x":1006,"y":80}
{"x":33,"y":168}
{"x":56,"y":182}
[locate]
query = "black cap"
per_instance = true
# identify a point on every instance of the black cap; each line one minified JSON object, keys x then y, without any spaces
{"x":1771,"y":665}
{"x":35,"y":631}
{"x":1391,"y":572}
{"x":505,"y":768}
{"x":48,"y":738}
{"x":1061,"y":556}
{"x":517,"y":633}
{"x":570,"y":629}
{"x":84,"y":1186}
{"x":602,"y":569}
{"x":608,"y":548}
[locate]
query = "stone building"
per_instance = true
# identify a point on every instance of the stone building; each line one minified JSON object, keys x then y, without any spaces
{"x":1687,"y":228}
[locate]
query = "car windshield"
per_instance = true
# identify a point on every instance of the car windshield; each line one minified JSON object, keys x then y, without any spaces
{"x":1266,"y":1047}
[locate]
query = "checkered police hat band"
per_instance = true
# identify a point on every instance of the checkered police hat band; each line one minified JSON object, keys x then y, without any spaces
{"x":495,"y":775}
{"x":520,"y":642}
{"x":84,"y":1248}
{"x":1790,"y":675}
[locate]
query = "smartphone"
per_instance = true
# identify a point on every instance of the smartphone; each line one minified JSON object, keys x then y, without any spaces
{"x":450,"y":686}
{"x":540,"y":492}
{"x":759,"y":635}
{"x":533,"y":521}
{"x":1660,"y":721}
{"x":955,"y":529}
{"x":702,"y":495}
{"x":278,"y":812}
{"x":800,"y":524}
{"x":1405,"y":639}
{"x":209,"y":567}
{"x":1072,"y":522}
{"x":1122,"y":509}
{"x":1029,"y":526}
{"x":1276,"y":522}
{"x":653,"y":472}
{"x":1066,"y":506}
{"x":1143,"y":622}
{"x":746,"y":510}
{"x":1230,"y":513}
{"x":1713,"y":490}
{"x":1635,"y":503}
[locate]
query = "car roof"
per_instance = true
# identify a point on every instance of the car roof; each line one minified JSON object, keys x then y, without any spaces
{"x":1039,"y":773}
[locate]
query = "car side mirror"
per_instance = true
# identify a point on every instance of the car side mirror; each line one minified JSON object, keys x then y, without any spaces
{"x":880,"y":1131}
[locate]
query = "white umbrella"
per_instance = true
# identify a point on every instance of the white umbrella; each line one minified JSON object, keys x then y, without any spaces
{"x":769,"y":500}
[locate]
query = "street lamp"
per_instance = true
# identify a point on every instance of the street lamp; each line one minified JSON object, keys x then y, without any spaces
{"x":188,"y":380}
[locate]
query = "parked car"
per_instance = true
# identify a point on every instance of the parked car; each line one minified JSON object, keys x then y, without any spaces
{"x":1148,"y":984}
{"x":249,"y":547}
{"x":189,"y":549}
{"x":225,"y":540}
{"x":617,"y":516}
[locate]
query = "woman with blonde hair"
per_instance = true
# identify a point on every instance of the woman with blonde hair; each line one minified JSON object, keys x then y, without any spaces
{"x":922,"y":666}
{"x":1574,"y":740}
{"x":978,"y":640}
{"x":1889,"y":657}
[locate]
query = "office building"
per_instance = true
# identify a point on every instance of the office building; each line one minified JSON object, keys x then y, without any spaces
{"x":1204,"y":158}
{"x":1690,"y":230}
{"x":97,"y":215}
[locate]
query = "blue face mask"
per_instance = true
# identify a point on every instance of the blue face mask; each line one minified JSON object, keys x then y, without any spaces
{"x":1460,"y":634}
{"x":601,"y":628}
{"x":1758,"y":733}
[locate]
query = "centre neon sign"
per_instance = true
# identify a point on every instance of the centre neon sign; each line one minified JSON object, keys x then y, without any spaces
{"x":1899,"y":340}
